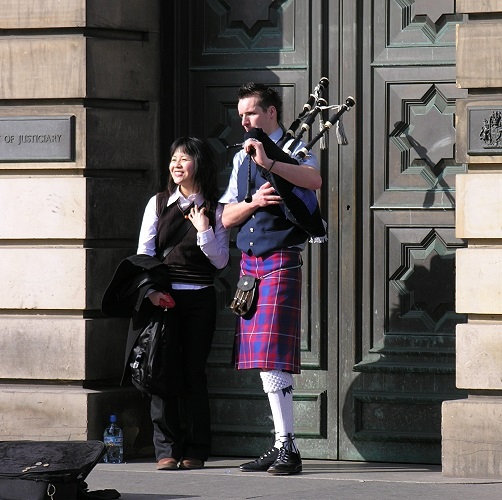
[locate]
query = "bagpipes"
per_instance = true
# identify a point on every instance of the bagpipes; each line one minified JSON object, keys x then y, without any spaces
{"x":300,"y":204}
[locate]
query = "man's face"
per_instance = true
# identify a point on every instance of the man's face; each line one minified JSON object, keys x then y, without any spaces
{"x":253,"y":116}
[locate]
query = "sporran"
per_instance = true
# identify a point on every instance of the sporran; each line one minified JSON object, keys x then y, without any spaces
{"x":245,"y":297}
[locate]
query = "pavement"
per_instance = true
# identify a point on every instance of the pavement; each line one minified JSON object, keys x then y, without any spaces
{"x":321,"y":479}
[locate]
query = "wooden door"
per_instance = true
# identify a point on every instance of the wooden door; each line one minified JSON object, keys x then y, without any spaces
{"x":378,"y":317}
{"x":397,"y":327}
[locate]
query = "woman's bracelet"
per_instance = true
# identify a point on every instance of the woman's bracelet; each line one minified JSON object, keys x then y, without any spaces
{"x":271,"y":166}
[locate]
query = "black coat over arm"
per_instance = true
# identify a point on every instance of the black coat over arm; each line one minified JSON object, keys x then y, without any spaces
{"x":125,"y":295}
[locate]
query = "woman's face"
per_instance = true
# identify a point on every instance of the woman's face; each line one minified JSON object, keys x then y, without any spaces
{"x":182,"y":169}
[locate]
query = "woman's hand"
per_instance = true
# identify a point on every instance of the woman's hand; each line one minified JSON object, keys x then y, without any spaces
{"x":161,"y":299}
{"x":199,"y":218}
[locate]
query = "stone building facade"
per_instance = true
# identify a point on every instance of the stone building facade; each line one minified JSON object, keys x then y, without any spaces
{"x":80,"y":153}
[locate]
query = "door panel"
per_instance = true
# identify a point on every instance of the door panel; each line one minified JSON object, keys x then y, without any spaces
{"x":403,"y":352}
{"x":415,"y":149}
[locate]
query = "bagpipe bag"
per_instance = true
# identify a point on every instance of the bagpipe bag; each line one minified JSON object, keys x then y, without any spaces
{"x":300,"y":204}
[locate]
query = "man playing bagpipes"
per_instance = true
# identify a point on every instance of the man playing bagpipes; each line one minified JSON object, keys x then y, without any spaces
{"x":268,"y":336}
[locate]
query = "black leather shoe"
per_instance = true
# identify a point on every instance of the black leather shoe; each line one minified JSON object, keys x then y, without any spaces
{"x":288,"y":462}
{"x":262,"y":463}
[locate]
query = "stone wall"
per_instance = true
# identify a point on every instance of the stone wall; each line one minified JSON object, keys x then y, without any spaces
{"x":69,"y":218}
{"x":471,"y":437}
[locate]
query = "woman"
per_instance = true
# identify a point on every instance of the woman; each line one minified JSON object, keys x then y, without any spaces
{"x":182,"y":226}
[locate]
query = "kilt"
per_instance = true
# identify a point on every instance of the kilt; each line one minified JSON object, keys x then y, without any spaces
{"x":270,"y":339}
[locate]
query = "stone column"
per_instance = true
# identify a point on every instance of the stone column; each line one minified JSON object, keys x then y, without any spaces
{"x":79,"y":157}
{"x":472,"y":427}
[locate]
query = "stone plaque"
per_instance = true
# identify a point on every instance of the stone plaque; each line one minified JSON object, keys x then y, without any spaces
{"x":484,"y":125}
{"x":37,"y":138}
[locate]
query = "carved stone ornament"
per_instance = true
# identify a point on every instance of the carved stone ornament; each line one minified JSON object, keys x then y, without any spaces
{"x":491,"y":131}
{"x":484,"y":130}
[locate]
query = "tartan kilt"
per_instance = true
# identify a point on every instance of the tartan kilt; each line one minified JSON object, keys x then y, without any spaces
{"x":270,"y":339}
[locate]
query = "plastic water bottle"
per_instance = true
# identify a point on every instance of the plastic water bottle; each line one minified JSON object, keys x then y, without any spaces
{"x":114,"y":443}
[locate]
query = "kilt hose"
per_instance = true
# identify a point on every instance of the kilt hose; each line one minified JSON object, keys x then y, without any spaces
{"x":270,"y":339}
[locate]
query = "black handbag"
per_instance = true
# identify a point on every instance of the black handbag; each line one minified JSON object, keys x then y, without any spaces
{"x":245,"y":297}
{"x":43,"y":470}
{"x":145,"y":361}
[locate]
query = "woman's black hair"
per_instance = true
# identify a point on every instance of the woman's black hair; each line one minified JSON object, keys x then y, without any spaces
{"x":205,"y":168}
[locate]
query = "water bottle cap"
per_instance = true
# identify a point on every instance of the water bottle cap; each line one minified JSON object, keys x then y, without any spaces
{"x":113,"y":418}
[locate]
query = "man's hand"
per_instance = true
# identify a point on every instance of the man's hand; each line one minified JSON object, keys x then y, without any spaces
{"x":236,"y":213}
{"x":266,"y":195}
{"x":300,"y":175}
